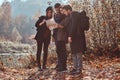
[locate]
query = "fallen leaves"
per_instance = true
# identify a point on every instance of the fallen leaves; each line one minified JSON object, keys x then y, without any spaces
{"x":1,"y":66}
{"x":94,"y":68}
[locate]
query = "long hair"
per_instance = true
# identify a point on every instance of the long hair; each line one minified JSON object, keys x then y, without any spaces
{"x":49,"y":9}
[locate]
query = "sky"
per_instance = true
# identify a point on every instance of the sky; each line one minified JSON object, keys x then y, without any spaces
{"x":31,"y":8}
{"x":1,"y":1}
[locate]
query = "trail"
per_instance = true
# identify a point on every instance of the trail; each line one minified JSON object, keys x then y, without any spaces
{"x":94,"y":69}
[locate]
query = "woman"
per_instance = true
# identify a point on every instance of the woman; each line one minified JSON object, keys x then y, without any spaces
{"x":43,"y":37}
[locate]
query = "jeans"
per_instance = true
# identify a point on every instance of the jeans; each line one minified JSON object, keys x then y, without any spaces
{"x":77,"y":61}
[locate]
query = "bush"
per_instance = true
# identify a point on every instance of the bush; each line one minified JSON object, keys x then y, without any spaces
{"x":8,"y":46}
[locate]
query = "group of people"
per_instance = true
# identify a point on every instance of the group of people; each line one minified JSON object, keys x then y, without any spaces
{"x":66,"y":31}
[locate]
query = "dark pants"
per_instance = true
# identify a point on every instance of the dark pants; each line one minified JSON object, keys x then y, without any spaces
{"x":40,"y":43}
{"x":61,"y":53}
{"x":58,"y":57}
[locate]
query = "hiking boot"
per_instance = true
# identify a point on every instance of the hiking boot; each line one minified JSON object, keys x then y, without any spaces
{"x":44,"y":67}
{"x":61,"y":69}
{"x":39,"y":69}
{"x":75,"y":72}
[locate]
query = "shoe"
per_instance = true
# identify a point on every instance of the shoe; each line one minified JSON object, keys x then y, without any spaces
{"x":74,"y":72}
{"x":44,"y":67}
{"x":56,"y":67}
{"x":61,"y":69}
{"x":78,"y":72}
{"x":39,"y":69}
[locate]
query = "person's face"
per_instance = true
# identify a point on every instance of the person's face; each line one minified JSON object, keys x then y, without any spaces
{"x":49,"y":13}
{"x":61,"y":10}
{"x":66,"y":12}
{"x":57,"y":10}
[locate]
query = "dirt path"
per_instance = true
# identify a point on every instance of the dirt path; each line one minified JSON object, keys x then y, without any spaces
{"x":94,"y":69}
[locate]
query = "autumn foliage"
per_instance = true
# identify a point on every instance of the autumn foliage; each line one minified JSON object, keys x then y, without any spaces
{"x":16,"y":29}
{"x":103,"y":39}
{"x":104,"y":34}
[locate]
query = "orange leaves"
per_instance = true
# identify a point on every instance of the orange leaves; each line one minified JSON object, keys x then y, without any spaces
{"x":41,"y":78}
{"x":94,"y":68}
{"x":104,"y":24}
{"x":118,"y":35}
{"x":96,"y":10}
{"x":1,"y":66}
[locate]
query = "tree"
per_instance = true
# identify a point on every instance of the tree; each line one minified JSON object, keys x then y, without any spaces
{"x":5,"y":18}
{"x":16,"y":37}
{"x":104,"y":21}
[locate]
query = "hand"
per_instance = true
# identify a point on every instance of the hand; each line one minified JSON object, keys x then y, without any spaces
{"x":56,"y":25}
{"x":69,"y":39}
{"x":42,"y":22}
{"x":60,"y":26}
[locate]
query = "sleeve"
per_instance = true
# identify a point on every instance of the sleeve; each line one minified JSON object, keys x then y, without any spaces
{"x":73,"y":25}
{"x":39,"y":21}
{"x":63,"y":23}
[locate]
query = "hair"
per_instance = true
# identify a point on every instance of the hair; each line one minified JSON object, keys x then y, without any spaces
{"x":49,"y":8}
{"x":57,"y":5}
{"x":67,"y":7}
{"x":83,"y":12}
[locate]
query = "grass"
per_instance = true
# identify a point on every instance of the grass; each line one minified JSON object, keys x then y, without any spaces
{"x":8,"y":47}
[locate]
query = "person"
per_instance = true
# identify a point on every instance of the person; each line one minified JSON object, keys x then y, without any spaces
{"x":59,"y":41}
{"x":43,"y":36}
{"x":77,"y":41}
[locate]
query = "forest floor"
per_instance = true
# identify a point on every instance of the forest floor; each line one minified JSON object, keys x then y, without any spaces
{"x":94,"y":68}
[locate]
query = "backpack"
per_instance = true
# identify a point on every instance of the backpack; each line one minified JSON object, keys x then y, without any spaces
{"x":83,"y":22}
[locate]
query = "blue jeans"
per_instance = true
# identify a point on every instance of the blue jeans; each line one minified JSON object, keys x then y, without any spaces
{"x":77,"y":61}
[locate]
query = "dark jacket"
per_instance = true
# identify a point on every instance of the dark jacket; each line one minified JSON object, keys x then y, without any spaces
{"x":58,"y":19}
{"x":78,"y":40}
{"x":62,"y":35}
{"x":42,"y":31}
{"x":63,"y":32}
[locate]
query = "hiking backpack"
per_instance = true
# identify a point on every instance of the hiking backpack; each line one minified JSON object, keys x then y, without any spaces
{"x":83,"y":21}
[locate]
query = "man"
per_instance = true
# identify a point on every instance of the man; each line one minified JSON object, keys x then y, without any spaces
{"x":77,"y":41}
{"x":60,"y":40}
